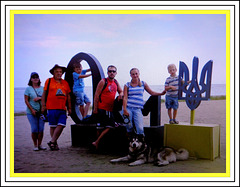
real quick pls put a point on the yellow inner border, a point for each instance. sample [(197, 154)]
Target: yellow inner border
[(13, 12)]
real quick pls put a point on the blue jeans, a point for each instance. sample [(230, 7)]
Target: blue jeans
[(37, 124), (136, 118)]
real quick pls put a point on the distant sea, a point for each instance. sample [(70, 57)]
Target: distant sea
[(20, 106)]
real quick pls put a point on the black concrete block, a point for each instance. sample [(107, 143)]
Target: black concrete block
[(83, 134), (115, 141), (154, 136)]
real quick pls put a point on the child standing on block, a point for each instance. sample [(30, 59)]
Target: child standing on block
[(171, 86), (78, 88)]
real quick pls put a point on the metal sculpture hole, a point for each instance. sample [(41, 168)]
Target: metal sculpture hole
[(97, 75)]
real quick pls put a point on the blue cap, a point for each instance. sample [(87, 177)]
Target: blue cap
[(34, 73)]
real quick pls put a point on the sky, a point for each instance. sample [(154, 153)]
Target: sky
[(148, 42)]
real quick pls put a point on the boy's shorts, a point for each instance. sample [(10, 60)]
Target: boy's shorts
[(81, 98), (171, 102), (57, 117)]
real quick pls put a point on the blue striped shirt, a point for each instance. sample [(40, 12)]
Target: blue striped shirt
[(172, 81), (135, 96)]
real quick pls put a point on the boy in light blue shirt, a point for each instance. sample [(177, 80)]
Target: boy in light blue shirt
[(78, 88)]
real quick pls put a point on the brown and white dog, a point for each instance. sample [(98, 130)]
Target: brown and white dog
[(168, 155)]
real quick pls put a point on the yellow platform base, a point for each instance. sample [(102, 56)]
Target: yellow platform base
[(201, 140)]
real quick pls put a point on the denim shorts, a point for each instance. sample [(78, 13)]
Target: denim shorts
[(81, 98), (57, 117), (37, 124), (171, 102)]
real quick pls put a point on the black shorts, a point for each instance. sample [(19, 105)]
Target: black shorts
[(106, 118)]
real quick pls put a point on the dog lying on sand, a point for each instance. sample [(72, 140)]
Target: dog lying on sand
[(168, 155), (140, 153), (137, 152)]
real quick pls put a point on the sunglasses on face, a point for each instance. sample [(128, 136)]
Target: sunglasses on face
[(35, 77), (111, 71)]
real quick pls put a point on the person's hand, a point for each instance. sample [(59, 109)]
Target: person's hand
[(43, 108), (173, 87), (33, 112), (164, 92), (120, 96), (125, 113), (95, 111), (37, 99)]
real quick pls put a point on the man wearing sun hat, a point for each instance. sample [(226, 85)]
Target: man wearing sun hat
[(55, 102)]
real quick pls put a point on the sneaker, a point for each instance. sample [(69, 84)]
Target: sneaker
[(175, 121), (35, 149), (40, 147), (171, 121)]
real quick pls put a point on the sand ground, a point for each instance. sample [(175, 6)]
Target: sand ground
[(80, 160)]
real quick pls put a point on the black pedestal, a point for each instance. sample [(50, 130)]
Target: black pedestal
[(154, 136), (83, 134), (115, 141)]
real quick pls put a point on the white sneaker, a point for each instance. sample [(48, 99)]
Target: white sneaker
[(36, 149), (40, 147)]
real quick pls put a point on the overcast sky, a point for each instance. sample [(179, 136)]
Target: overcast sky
[(148, 42)]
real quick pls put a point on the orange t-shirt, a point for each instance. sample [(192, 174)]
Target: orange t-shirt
[(57, 94)]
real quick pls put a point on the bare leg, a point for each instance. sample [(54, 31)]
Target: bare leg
[(81, 108), (57, 132), (40, 137), (86, 109), (52, 129), (170, 113), (35, 138), (174, 114), (100, 137)]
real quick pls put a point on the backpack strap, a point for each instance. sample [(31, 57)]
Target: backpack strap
[(105, 85), (47, 90)]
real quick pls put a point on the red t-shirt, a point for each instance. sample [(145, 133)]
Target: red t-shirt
[(57, 94), (108, 96)]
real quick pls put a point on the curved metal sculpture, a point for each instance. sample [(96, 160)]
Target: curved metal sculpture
[(194, 92), (97, 75)]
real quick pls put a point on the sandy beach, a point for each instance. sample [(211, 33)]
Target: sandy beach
[(80, 160)]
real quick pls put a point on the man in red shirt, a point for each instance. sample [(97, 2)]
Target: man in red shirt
[(104, 100), (55, 102)]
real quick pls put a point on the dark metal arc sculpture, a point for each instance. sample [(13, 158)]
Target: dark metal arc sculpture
[(97, 75)]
